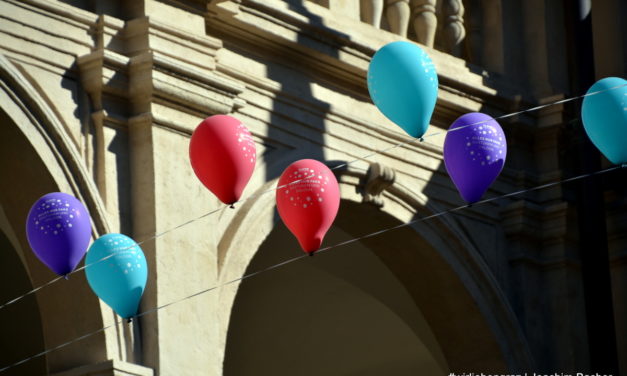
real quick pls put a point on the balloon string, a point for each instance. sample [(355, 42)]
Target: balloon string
[(321, 250), (373, 153)]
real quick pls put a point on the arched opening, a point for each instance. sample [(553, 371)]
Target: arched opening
[(20, 325), (21, 179), (390, 304), (31, 165), (333, 314)]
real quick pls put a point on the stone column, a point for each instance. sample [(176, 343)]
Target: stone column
[(424, 21), (397, 13), (454, 31), (535, 48)]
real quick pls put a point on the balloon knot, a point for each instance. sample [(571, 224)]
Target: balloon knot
[(422, 139), (311, 253), (67, 277), (232, 206), (129, 320), (469, 205)]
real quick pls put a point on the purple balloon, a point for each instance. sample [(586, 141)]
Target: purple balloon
[(474, 154), (58, 229)]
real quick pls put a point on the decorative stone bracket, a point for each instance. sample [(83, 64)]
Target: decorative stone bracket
[(378, 179)]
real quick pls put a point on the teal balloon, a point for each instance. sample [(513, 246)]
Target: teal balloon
[(604, 117), (120, 279), (403, 84)]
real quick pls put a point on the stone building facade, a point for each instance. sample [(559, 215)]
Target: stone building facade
[(99, 99)]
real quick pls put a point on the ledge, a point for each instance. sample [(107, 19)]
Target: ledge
[(110, 367), (312, 35)]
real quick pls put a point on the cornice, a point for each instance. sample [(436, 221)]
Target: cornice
[(317, 41)]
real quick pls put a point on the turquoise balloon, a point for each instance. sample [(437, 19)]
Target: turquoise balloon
[(604, 117), (120, 279), (403, 84)]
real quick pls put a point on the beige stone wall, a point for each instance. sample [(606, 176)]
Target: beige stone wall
[(112, 90)]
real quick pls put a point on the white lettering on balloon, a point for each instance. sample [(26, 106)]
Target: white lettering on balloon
[(126, 254), (486, 145), (54, 216), (305, 187), (245, 139)]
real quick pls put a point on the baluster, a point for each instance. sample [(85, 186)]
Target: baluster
[(474, 32), (397, 13), (454, 31), (371, 11), (424, 20)]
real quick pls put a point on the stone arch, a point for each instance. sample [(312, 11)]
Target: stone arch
[(464, 306), (37, 157), (18, 341)]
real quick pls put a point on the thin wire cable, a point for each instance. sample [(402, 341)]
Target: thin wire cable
[(275, 266), (31, 291), (536, 108), (120, 321), (373, 153), (60, 346), (421, 139), (481, 202), (288, 261), (155, 236), (54, 280)]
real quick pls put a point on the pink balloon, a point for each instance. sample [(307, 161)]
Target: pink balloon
[(308, 200), (223, 155)]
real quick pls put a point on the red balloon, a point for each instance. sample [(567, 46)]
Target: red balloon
[(309, 204), (223, 155)]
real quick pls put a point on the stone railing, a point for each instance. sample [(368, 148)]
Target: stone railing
[(473, 32), (421, 20)]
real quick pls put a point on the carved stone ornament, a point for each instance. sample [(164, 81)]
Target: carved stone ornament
[(379, 178)]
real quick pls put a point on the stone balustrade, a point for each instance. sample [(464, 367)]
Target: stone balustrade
[(473, 32), (434, 23)]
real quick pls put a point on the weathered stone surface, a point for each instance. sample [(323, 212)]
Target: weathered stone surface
[(99, 99)]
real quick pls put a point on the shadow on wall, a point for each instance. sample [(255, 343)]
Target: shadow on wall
[(297, 101), (503, 65), (389, 304), (105, 141), (480, 223), (296, 111), (338, 313), (20, 325), (22, 182), (115, 8)]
